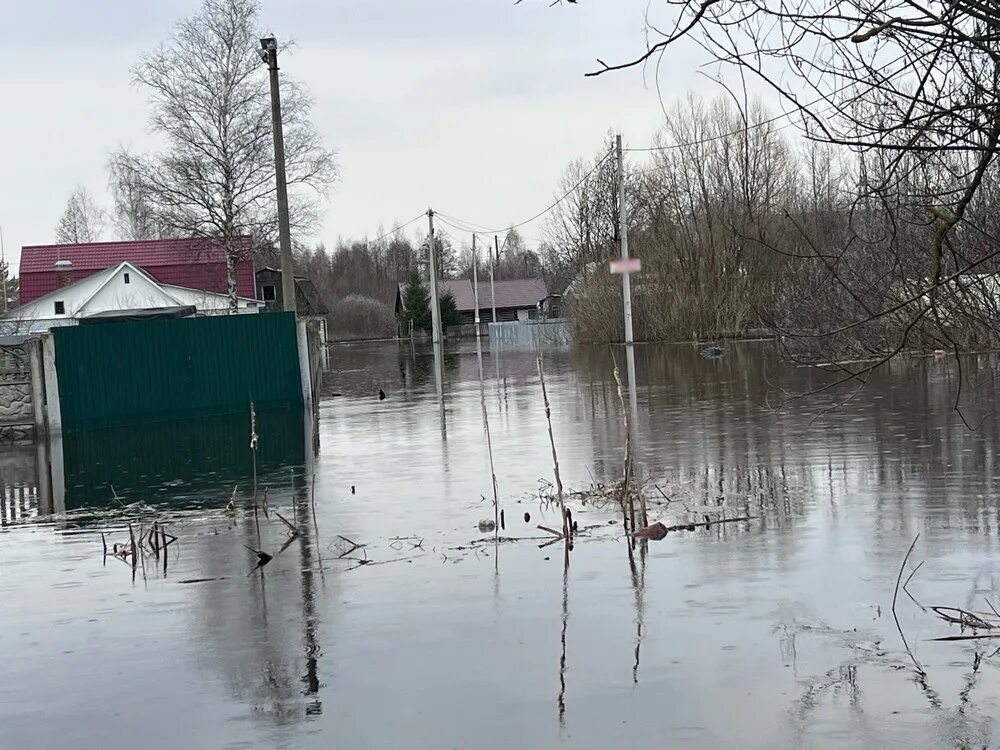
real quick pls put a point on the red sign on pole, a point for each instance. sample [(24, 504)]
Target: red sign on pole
[(626, 265)]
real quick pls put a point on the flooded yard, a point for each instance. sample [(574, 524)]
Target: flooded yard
[(392, 621)]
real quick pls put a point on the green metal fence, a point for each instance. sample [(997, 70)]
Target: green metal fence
[(140, 371)]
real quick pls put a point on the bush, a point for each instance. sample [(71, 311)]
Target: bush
[(360, 317)]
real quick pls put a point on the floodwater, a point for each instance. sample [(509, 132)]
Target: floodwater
[(775, 632)]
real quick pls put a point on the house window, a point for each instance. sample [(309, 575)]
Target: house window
[(268, 292), (60, 307), (126, 278)]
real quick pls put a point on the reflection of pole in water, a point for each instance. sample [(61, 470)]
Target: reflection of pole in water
[(632, 389), (489, 449), (639, 588), (561, 700), (633, 398), (307, 543), (439, 385)]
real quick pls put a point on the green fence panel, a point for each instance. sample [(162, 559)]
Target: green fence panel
[(139, 371)]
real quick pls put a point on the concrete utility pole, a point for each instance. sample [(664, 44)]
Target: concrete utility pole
[(623, 236), (269, 54), (496, 260), (3, 262), (475, 284), (435, 307)]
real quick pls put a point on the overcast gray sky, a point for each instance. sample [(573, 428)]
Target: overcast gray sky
[(472, 107)]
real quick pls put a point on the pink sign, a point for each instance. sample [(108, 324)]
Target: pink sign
[(626, 265)]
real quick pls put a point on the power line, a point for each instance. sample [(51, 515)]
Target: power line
[(472, 225), (769, 120), (398, 228)]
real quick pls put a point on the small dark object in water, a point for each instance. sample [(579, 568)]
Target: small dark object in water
[(713, 352), (503, 525), (262, 557), (487, 524), (353, 491), (381, 395), (336, 394), (576, 527), (527, 517)]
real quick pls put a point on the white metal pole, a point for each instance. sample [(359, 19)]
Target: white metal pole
[(475, 285), (435, 307), (623, 235)]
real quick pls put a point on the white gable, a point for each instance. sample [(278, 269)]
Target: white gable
[(124, 287)]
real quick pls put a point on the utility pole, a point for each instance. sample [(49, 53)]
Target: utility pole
[(269, 54), (493, 291), (475, 285), (435, 307), (3, 264), (623, 236)]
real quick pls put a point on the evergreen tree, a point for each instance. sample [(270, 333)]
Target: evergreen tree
[(450, 316), (416, 303)]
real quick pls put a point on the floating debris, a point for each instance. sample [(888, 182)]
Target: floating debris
[(487, 524), (713, 352)]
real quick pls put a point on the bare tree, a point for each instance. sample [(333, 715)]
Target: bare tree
[(210, 98), (135, 216), (82, 220)]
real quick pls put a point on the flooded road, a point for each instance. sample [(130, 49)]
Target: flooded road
[(391, 621)]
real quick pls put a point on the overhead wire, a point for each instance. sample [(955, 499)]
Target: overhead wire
[(472, 225), (464, 225), (769, 120), (397, 228)]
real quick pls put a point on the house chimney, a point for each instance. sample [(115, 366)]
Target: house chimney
[(64, 272)]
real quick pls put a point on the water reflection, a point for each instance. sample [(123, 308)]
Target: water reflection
[(435, 642), (193, 461)]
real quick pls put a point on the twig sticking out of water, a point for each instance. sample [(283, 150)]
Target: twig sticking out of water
[(292, 528), (628, 504), (131, 538), (253, 452), (552, 442), (489, 442), (895, 595)]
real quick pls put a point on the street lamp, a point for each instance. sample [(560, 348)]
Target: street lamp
[(269, 54)]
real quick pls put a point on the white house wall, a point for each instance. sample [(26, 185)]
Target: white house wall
[(206, 301), (72, 297), (141, 292), (107, 291)]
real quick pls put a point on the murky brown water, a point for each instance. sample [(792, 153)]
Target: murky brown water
[(770, 633)]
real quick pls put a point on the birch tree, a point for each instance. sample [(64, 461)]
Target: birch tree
[(82, 220), (210, 100)]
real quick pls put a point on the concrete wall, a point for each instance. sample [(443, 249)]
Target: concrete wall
[(22, 394)]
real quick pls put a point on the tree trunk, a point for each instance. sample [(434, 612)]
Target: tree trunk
[(231, 277)]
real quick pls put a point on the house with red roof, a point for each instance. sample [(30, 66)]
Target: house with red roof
[(192, 263), (64, 284)]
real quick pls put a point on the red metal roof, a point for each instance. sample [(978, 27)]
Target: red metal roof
[(194, 263)]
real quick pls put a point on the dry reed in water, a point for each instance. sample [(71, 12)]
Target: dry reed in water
[(628, 504), (552, 442), (489, 443)]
